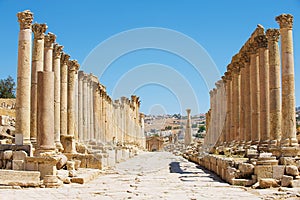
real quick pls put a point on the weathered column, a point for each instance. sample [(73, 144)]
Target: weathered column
[(88, 108), (85, 107), (23, 76), (242, 103), (288, 83), (68, 140), (45, 108), (275, 103), (48, 52), (64, 94), (56, 68), (92, 136), (255, 95), (80, 105), (73, 67), (247, 100), (37, 65), (228, 105), (262, 44), (76, 108), (236, 100)]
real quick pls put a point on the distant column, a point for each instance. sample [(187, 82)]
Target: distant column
[(228, 105), (255, 95), (80, 105), (275, 103), (288, 83), (64, 94), (37, 65), (188, 129), (23, 76), (56, 68), (236, 100)]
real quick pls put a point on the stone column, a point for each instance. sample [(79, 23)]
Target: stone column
[(48, 52), (73, 67), (64, 94), (68, 140), (255, 95), (85, 107), (37, 65), (88, 124), (92, 136), (236, 100), (242, 103), (45, 134), (275, 103), (263, 53), (76, 108), (247, 99), (80, 105), (288, 83), (23, 76), (56, 68), (228, 109)]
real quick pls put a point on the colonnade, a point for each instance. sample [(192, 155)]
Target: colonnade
[(251, 105), (57, 106)]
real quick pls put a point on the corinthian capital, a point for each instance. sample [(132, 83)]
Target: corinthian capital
[(39, 30), (64, 59), (57, 49), (262, 41), (285, 21), (73, 65), (253, 48), (273, 34), (25, 19), (49, 40)]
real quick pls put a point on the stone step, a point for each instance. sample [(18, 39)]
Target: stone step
[(20, 178)]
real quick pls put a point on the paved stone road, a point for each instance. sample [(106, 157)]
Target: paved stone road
[(146, 176)]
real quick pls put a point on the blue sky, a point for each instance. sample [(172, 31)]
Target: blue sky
[(220, 28)]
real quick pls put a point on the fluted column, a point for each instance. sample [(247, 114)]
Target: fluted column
[(92, 136), (73, 67), (56, 68), (80, 105), (88, 95), (242, 103), (263, 53), (275, 103), (228, 105), (288, 83), (247, 99), (85, 107), (255, 95), (236, 100), (37, 65), (23, 76), (76, 107), (64, 94)]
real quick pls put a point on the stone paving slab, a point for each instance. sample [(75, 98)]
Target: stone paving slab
[(152, 176)]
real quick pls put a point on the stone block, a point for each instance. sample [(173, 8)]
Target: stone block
[(47, 169), (291, 170), (242, 182), (7, 155), (286, 181), (62, 161), (246, 169), (70, 165), (19, 155), (8, 164), (295, 183), (31, 166), (263, 171), (93, 163), (287, 161), (18, 165), (230, 174), (20, 178), (18, 138), (278, 171), (268, 183)]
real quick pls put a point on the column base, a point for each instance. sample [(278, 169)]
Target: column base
[(59, 146), (290, 151), (289, 142), (263, 146)]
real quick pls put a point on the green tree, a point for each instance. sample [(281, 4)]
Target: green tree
[(201, 129), (7, 88)]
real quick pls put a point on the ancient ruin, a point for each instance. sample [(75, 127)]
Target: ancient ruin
[(64, 117), (251, 129)]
